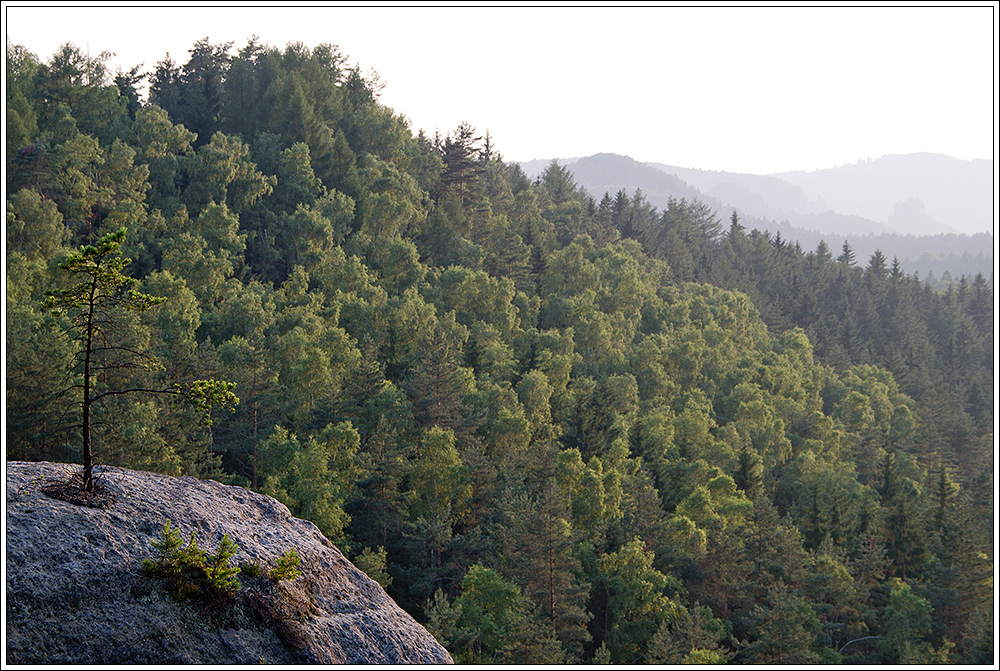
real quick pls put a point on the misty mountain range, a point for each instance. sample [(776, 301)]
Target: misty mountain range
[(932, 211)]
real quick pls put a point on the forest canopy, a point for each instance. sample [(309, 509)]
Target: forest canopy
[(555, 428)]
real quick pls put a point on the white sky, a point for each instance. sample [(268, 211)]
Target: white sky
[(742, 88)]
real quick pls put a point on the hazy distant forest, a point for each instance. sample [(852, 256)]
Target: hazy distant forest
[(555, 428)]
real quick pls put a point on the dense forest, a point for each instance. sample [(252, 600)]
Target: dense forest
[(554, 428)]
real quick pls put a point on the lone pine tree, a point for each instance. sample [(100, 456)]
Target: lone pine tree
[(95, 312)]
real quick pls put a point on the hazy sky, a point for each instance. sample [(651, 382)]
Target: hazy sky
[(742, 88)]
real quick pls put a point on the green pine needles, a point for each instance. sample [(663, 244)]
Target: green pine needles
[(288, 566), (193, 573), (220, 574), (190, 571)]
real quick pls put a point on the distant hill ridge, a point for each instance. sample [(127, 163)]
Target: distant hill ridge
[(912, 194), (929, 210), (954, 192)]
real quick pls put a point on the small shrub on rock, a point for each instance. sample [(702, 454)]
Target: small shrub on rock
[(220, 574), (252, 569), (288, 566), (169, 547), (191, 572)]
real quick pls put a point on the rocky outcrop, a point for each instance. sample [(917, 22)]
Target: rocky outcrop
[(77, 592)]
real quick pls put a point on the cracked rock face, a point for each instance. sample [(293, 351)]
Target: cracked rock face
[(77, 593)]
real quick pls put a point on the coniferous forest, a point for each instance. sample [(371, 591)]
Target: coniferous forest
[(554, 428)]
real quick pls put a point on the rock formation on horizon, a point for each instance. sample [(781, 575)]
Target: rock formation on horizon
[(77, 592)]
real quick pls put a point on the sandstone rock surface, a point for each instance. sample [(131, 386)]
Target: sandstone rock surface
[(76, 592)]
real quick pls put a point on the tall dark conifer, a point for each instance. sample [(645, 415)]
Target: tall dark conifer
[(460, 153)]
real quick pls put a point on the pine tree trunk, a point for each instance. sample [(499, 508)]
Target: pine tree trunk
[(88, 456)]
